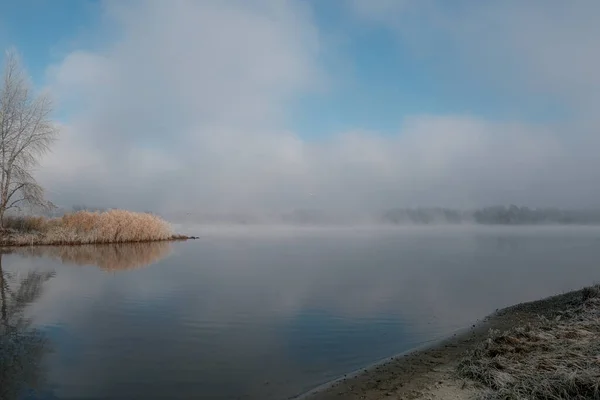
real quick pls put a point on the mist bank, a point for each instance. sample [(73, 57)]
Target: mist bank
[(496, 215)]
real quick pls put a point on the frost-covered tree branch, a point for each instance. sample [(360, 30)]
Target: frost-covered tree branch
[(26, 133)]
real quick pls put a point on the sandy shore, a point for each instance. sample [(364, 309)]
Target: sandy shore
[(437, 373)]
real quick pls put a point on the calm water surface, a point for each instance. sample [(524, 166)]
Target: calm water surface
[(261, 313)]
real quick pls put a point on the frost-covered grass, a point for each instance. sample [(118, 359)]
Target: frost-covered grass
[(554, 358)]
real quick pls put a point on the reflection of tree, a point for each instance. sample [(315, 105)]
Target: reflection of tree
[(21, 347), (109, 257)]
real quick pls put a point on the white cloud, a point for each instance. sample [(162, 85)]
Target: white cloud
[(186, 110)]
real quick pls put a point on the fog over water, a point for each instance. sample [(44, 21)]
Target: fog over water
[(271, 312)]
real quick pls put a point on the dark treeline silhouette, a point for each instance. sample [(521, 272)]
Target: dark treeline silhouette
[(422, 216), (497, 215)]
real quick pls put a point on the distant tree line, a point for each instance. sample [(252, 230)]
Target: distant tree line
[(496, 215), (426, 216)]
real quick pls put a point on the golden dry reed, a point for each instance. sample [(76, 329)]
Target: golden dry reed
[(85, 227)]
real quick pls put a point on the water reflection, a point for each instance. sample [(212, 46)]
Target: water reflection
[(268, 315), (110, 257), (21, 347)]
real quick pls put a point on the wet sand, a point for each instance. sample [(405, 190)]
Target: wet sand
[(430, 373)]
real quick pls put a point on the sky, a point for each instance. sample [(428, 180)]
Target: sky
[(273, 105)]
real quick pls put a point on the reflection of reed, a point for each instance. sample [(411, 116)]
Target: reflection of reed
[(110, 257)]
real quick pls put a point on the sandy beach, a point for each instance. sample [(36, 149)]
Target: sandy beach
[(490, 359)]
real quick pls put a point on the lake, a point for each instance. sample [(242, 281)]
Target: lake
[(262, 313)]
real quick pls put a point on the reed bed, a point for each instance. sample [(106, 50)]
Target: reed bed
[(557, 357), (85, 227)]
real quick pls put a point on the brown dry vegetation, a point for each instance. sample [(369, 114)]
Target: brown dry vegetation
[(556, 357), (84, 227), (113, 257)]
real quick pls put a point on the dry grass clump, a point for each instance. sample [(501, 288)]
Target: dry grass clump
[(116, 226), (112, 257), (557, 358), (84, 227)]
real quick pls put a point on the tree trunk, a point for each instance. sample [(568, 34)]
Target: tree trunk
[(3, 307)]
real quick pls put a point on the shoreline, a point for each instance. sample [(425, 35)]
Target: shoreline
[(20, 242), (357, 373), (430, 371)]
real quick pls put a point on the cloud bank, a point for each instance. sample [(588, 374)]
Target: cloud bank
[(185, 107)]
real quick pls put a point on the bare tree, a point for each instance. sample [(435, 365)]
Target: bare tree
[(26, 133)]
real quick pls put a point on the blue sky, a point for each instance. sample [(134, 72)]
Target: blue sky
[(43, 31), (383, 80), (261, 104), (375, 79)]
